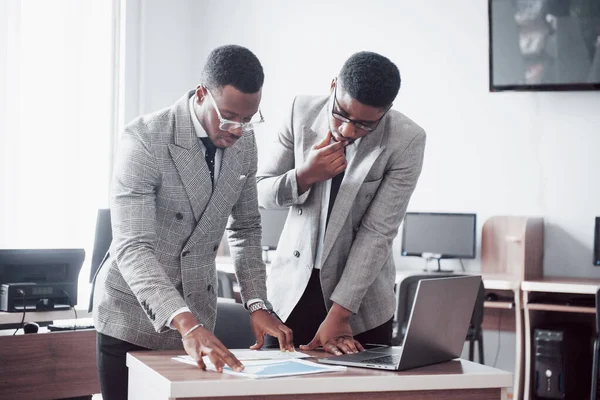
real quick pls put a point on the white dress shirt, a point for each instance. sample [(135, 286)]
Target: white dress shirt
[(350, 153)]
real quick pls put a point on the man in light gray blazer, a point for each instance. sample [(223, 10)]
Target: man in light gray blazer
[(183, 175), (346, 165)]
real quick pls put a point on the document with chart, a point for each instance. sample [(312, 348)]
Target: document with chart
[(270, 368)]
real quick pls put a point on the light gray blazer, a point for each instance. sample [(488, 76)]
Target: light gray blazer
[(357, 270), (167, 225)]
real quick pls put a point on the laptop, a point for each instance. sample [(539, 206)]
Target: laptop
[(436, 330)]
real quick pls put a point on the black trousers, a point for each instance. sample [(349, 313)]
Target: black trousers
[(112, 368), (310, 311)]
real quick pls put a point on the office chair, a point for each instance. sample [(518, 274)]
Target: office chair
[(594, 389), (233, 325), (225, 285), (405, 295), (102, 240)]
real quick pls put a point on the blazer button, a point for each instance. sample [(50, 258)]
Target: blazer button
[(296, 253), (209, 288), (179, 216), (369, 196), (185, 253), (299, 211), (216, 247)]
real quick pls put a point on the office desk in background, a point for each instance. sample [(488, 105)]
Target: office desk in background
[(549, 301), (48, 365), (155, 376)]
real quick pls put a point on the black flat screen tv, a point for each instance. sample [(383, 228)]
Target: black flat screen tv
[(544, 45)]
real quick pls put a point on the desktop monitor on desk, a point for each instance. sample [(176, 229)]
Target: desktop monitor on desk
[(439, 235), (39, 279)]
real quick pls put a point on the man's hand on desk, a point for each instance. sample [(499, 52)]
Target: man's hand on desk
[(264, 322), (199, 342), (335, 334)]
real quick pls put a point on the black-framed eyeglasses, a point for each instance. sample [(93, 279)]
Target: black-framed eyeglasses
[(370, 127), (228, 125)]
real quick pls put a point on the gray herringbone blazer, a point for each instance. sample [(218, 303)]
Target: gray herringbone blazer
[(167, 225), (357, 270)]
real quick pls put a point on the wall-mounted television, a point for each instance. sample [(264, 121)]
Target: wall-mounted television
[(544, 45)]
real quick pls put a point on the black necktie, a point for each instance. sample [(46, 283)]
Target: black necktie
[(209, 156), (336, 181)]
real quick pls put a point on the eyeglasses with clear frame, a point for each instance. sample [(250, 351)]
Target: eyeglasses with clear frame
[(228, 125), (359, 125)]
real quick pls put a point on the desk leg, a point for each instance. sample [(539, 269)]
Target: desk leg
[(518, 378), (528, 333)]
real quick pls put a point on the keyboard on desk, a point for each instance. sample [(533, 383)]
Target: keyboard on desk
[(71, 325)]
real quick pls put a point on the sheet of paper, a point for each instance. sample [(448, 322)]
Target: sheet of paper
[(262, 369), (247, 354)]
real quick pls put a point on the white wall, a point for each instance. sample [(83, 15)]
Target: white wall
[(489, 153)]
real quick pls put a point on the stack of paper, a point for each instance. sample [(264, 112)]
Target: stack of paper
[(260, 364)]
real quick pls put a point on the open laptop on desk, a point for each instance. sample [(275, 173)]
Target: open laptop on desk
[(436, 330)]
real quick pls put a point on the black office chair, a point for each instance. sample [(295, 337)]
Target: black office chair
[(102, 240), (405, 295), (225, 285), (594, 389), (233, 325)]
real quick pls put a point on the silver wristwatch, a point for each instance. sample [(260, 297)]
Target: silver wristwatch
[(259, 305)]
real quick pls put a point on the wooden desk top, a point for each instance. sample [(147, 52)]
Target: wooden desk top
[(43, 316), (562, 285), (175, 379)]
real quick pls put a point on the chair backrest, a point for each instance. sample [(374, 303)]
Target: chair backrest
[(102, 240), (233, 325), (405, 296), (225, 285), (598, 311)]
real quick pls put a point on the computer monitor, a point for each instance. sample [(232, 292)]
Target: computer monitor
[(272, 226), (439, 235), (597, 242), (102, 240), (42, 266)]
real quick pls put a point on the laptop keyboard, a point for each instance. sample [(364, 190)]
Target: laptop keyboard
[(383, 360)]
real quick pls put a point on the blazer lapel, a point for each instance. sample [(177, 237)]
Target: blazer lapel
[(189, 158), (221, 200), (369, 149)]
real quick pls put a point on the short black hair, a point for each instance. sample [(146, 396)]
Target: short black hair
[(370, 78), (233, 65)]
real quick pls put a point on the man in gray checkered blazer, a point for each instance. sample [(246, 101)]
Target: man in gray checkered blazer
[(184, 175), (346, 165)]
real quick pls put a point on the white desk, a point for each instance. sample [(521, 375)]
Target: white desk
[(154, 376)]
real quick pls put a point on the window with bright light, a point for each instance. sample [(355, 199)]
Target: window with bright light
[(56, 123)]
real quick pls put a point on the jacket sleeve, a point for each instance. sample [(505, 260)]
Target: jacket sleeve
[(373, 242), (277, 181)]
